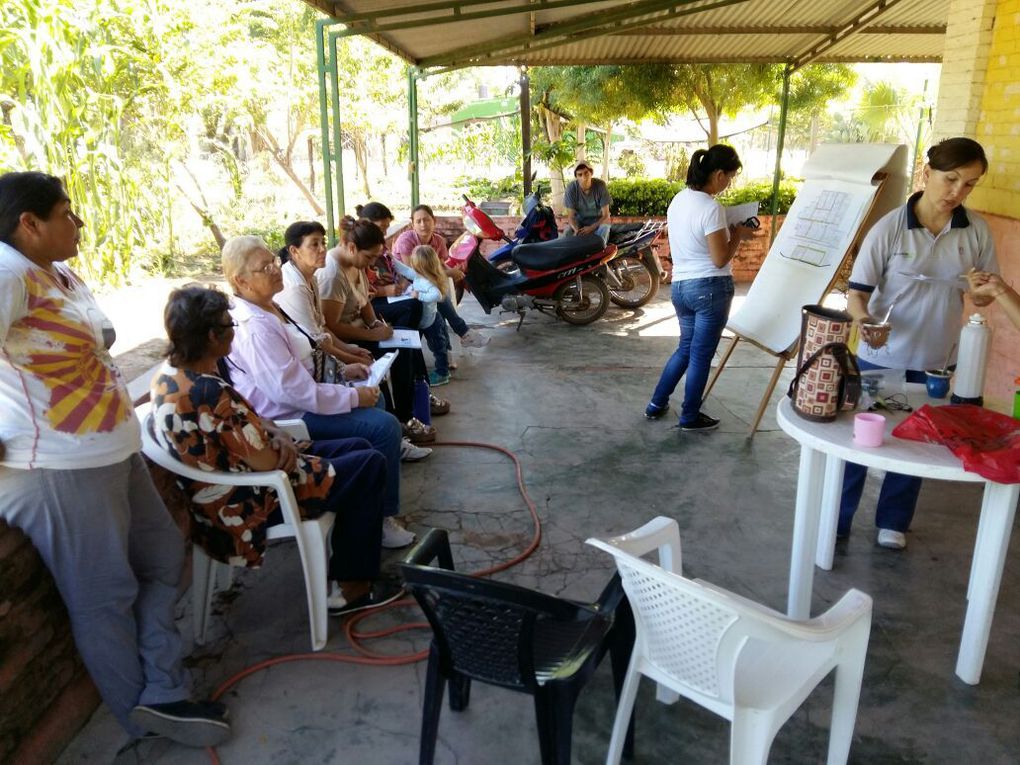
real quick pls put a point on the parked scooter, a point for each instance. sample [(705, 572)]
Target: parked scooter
[(632, 278), (557, 275)]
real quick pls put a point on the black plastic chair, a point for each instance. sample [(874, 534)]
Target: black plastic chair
[(516, 638)]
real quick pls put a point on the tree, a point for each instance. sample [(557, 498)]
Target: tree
[(89, 93), (601, 96), (712, 91)]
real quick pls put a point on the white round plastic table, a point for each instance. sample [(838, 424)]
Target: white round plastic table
[(824, 450)]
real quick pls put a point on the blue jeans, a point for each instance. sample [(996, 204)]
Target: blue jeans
[(449, 312), (897, 499), (439, 343), (702, 306), (375, 425), (602, 232)]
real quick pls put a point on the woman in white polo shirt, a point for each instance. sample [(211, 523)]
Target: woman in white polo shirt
[(932, 235), (702, 247)]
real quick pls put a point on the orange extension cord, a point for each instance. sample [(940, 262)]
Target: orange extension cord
[(356, 637)]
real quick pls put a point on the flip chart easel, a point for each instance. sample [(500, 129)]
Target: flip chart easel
[(847, 187)]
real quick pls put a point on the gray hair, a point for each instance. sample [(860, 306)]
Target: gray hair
[(236, 253)]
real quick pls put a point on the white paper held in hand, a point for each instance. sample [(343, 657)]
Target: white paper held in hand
[(402, 338), (377, 371)]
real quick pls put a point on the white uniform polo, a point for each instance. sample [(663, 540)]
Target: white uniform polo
[(926, 318)]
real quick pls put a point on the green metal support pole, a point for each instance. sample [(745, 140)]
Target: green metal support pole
[(780, 139), (412, 131), (327, 167), (338, 146), (526, 130)]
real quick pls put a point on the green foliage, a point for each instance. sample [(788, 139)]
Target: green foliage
[(760, 191), (88, 95), (510, 187), (642, 196), (651, 196), (632, 164), (677, 162)]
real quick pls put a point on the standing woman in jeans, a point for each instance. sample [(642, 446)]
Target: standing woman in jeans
[(702, 247)]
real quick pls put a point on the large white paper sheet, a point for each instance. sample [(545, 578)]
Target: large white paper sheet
[(840, 183)]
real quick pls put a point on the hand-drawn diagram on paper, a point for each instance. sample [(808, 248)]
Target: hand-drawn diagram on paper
[(825, 219)]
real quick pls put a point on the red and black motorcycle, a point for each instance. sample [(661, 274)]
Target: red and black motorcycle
[(556, 275)]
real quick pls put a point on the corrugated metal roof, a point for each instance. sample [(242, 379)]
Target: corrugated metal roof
[(440, 33)]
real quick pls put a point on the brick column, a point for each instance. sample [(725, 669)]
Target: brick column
[(964, 65)]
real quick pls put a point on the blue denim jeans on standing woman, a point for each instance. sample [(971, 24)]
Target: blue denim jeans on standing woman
[(702, 306), (897, 498)]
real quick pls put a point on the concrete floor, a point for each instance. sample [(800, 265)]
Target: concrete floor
[(568, 401)]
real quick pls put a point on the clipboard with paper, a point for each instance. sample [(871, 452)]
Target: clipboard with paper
[(377, 372)]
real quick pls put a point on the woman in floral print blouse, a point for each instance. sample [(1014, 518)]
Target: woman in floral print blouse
[(204, 422)]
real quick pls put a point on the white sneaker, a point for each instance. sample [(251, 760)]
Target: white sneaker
[(473, 339), (394, 535), (411, 452), (892, 540)]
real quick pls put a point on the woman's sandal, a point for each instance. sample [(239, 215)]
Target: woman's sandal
[(417, 432), (438, 406)]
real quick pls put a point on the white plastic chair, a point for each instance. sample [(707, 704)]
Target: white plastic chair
[(312, 536), (747, 663)]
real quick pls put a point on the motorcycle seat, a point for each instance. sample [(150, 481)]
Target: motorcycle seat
[(543, 256)]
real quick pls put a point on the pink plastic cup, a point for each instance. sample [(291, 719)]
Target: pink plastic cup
[(869, 429)]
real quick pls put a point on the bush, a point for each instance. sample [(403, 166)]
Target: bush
[(510, 187), (760, 191), (642, 197)]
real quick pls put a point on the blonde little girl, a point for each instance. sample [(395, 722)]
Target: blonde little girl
[(429, 285)]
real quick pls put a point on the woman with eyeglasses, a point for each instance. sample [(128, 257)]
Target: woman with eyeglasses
[(271, 365), (702, 246), (204, 422)]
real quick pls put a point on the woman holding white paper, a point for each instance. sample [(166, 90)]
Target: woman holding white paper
[(349, 315), (270, 364), (702, 246)]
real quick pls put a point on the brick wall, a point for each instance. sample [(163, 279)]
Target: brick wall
[(45, 693), (745, 266), (964, 64)]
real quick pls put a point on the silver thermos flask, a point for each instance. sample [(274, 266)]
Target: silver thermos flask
[(969, 379)]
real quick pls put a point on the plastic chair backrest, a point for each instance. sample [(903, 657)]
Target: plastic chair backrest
[(484, 629)]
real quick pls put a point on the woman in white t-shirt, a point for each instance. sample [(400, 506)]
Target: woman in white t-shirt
[(702, 247)]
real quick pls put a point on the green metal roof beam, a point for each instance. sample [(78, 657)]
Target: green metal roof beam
[(561, 29), (863, 19), (371, 26), (685, 31), (558, 41)]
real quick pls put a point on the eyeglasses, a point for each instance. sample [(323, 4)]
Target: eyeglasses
[(895, 402), (268, 268), (222, 329)]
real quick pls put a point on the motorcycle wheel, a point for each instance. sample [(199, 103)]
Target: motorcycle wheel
[(639, 282), (584, 306)]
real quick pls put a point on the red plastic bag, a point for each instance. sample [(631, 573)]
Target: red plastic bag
[(988, 443)]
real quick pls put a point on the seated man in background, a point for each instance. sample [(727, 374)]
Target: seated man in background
[(587, 201)]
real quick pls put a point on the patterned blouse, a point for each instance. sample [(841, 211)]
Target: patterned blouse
[(202, 421)]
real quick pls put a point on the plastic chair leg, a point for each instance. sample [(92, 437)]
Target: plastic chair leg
[(431, 708), (845, 697), (620, 650), (751, 734), (202, 587), (314, 566), (460, 692), (624, 713), (545, 715)]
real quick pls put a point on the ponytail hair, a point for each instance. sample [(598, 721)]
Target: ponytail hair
[(373, 211), (363, 233), (704, 162), (295, 235)]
